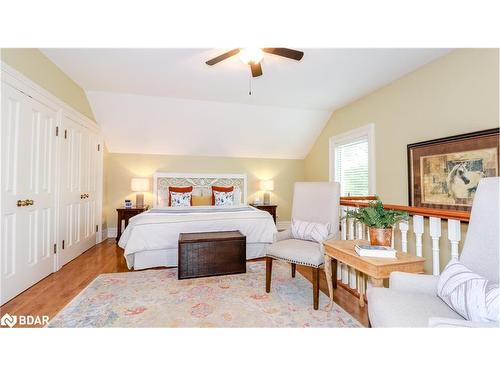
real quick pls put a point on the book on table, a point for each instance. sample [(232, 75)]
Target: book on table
[(375, 251)]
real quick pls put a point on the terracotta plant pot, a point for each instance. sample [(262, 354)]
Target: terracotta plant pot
[(380, 236)]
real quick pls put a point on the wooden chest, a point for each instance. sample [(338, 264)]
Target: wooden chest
[(211, 254)]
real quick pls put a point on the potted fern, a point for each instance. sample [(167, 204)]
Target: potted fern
[(379, 221)]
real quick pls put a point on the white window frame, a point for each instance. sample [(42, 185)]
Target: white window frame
[(367, 131)]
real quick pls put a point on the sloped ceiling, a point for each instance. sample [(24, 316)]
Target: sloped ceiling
[(168, 101)]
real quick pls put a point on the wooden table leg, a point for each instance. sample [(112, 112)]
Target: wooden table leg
[(361, 285), (329, 280), (119, 228), (334, 269)]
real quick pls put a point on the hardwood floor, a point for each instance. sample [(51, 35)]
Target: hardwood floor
[(54, 292)]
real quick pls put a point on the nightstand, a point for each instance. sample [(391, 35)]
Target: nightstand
[(271, 208), (125, 214)]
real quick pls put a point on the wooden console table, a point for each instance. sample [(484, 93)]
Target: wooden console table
[(377, 269)]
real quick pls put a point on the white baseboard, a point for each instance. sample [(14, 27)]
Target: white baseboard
[(104, 234), (111, 233)]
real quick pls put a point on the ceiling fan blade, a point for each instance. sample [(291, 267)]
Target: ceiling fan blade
[(256, 69), (224, 56), (285, 52)]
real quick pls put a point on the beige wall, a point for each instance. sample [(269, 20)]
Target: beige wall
[(37, 67), (120, 168), (455, 94)]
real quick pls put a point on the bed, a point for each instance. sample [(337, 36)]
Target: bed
[(151, 238)]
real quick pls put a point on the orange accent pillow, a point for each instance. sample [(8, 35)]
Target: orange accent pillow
[(198, 200), (175, 189), (224, 189)]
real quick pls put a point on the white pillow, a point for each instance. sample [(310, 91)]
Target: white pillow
[(303, 230), (237, 196), (206, 192), (223, 198), (469, 294), (180, 199)]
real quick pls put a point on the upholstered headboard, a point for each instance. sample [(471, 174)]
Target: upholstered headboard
[(201, 183)]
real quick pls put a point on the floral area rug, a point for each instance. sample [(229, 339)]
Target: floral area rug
[(155, 298)]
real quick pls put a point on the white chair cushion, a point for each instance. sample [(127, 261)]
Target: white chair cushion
[(304, 230), (394, 308), (470, 295), (306, 253)]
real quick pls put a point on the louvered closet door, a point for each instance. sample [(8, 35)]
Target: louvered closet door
[(77, 204), (28, 233)]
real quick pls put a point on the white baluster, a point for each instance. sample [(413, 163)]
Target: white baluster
[(345, 274), (359, 230), (454, 236), (418, 229), (343, 224), (392, 237), (352, 278), (403, 227), (339, 271), (350, 225), (435, 232)]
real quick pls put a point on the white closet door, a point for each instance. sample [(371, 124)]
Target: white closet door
[(28, 233), (92, 188), (77, 207)]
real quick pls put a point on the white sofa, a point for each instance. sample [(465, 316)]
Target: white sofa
[(411, 300)]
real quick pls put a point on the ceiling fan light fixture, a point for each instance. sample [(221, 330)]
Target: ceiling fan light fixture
[(251, 55)]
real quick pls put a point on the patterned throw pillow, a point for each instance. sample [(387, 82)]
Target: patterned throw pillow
[(225, 189), (223, 198), (180, 199), (303, 230), (469, 294)]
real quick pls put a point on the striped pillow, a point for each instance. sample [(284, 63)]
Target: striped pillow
[(303, 230), (469, 294)]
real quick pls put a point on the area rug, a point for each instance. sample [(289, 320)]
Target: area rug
[(155, 298)]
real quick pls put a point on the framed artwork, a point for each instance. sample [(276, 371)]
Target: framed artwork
[(444, 173)]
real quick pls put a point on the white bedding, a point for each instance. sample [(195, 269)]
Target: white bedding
[(158, 229)]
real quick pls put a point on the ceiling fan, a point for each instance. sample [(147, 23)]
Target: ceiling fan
[(253, 56)]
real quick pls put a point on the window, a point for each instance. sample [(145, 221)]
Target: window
[(351, 161)]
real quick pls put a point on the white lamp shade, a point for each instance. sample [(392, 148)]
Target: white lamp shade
[(139, 184), (267, 185)]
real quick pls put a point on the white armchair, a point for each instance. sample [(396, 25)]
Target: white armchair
[(412, 301), (312, 202)]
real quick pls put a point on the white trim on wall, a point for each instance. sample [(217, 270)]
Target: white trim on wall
[(7, 71), (111, 232), (350, 136)]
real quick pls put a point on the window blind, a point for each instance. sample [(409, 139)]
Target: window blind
[(351, 167)]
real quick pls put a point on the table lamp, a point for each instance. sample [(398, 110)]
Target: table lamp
[(139, 185), (267, 186)]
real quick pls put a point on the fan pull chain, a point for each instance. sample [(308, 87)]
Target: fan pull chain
[(249, 85)]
